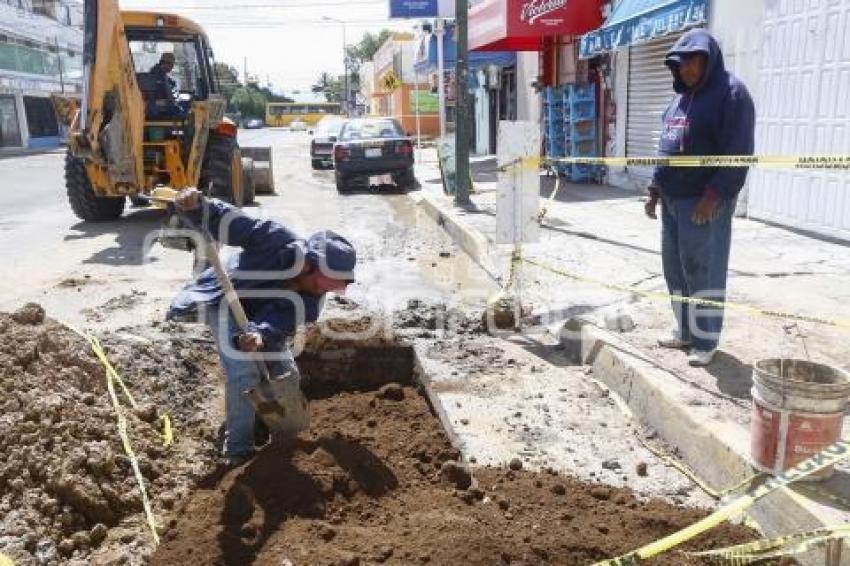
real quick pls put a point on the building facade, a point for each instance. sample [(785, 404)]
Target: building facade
[(795, 59), (397, 87), (41, 46)]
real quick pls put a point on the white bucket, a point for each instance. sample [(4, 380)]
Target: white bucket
[(798, 410)]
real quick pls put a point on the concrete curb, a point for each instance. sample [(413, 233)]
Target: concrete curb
[(470, 240), (11, 153), (715, 448)]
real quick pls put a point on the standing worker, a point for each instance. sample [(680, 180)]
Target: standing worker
[(712, 114), (281, 280)]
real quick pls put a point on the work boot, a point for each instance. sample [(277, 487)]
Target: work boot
[(701, 358), (674, 341), (261, 433)]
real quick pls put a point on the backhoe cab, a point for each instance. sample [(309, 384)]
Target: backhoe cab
[(151, 115)]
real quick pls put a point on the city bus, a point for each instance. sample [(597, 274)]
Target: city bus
[(284, 113)]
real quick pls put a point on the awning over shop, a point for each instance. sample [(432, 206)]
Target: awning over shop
[(521, 25), (426, 54), (637, 21)]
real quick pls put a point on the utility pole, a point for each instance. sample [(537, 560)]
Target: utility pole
[(461, 109), (345, 66), (441, 75)]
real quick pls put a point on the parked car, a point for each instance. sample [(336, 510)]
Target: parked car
[(298, 125), (324, 138), (253, 123), (369, 147)]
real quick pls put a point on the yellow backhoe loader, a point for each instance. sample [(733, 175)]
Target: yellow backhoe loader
[(151, 115)]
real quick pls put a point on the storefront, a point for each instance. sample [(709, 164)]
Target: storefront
[(492, 82), (549, 29), (629, 49)]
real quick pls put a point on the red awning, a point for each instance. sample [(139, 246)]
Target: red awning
[(521, 25)]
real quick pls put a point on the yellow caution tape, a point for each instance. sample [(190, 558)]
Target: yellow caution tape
[(827, 457), (112, 378), (768, 161), (778, 547), (167, 431), (747, 309), (122, 432)]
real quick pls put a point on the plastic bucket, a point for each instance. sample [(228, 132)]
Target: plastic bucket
[(798, 410)]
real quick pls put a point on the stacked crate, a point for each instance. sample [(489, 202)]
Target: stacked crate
[(580, 128), (554, 125)]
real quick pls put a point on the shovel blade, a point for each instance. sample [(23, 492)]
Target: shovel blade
[(281, 404)]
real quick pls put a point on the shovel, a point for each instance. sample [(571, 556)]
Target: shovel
[(278, 400)]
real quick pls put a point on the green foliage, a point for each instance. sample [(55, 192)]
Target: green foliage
[(249, 100), (332, 87), (362, 51)]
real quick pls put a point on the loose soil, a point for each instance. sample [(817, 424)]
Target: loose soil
[(67, 494), (377, 481)]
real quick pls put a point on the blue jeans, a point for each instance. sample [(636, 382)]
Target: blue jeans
[(696, 262), (241, 375)]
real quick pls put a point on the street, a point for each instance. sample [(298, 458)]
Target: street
[(97, 275)]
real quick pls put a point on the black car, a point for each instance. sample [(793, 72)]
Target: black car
[(371, 147), (324, 138)]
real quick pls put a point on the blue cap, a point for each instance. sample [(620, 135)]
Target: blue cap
[(334, 255)]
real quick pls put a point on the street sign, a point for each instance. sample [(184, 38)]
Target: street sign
[(424, 102), (413, 9)]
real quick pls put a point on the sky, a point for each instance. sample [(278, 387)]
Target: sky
[(285, 41)]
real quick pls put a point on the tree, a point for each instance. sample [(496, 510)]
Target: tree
[(332, 87), (228, 79), (362, 51), (249, 101)]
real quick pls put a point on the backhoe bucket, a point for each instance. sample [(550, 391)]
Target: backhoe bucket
[(281, 404), (263, 168)]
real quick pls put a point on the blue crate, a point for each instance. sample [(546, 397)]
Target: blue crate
[(578, 93), (581, 173)]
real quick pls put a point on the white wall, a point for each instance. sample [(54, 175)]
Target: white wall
[(620, 78), (737, 26)]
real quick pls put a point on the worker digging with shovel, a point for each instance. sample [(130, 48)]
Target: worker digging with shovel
[(273, 286)]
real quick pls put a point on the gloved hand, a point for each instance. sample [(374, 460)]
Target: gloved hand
[(250, 342)]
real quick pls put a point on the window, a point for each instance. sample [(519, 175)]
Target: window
[(187, 71), (41, 118), (10, 132), (365, 129)]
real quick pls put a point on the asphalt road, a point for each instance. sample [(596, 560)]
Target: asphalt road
[(99, 275)]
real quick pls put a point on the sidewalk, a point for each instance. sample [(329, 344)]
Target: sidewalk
[(602, 234), (8, 153)]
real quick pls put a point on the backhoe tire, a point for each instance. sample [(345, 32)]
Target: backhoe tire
[(221, 175), (84, 202)]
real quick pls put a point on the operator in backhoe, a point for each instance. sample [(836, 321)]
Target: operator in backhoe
[(164, 101), (281, 280)]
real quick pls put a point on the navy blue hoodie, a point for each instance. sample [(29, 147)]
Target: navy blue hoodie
[(717, 117)]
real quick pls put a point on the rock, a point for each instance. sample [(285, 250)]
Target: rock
[(559, 489), (612, 465), (642, 469), (473, 494), (326, 533), (323, 458), (146, 412), (456, 474), (515, 464), (618, 318), (445, 254), (66, 547), (384, 553), (30, 313), (504, 504), (601, 493), (98, 534), (391, 392)]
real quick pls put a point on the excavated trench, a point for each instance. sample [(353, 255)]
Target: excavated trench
[(376, 480)]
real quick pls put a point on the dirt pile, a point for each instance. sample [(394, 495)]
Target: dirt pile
[(377, 481), (67, 493)]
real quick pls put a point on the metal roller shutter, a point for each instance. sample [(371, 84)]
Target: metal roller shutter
[(650, 91)]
